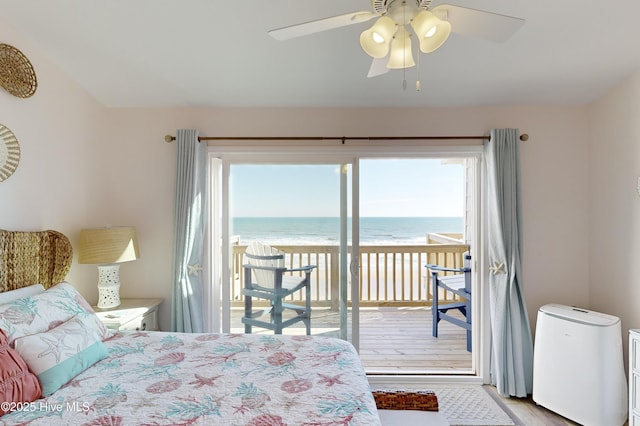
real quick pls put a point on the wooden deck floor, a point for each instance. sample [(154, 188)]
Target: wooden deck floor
[(393, 340)]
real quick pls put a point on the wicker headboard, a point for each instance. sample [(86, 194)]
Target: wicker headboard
[(42, 257)]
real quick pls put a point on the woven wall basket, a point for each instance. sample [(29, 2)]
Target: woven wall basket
[(9, 153), (16, 72)]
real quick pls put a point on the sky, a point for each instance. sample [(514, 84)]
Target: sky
[(388, 188)]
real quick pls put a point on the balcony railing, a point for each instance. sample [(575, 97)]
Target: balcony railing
[(390, 275)]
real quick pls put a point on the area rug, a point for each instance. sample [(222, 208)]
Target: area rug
[(465, 405)]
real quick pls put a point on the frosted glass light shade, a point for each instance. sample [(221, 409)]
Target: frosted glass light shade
[(401, 55), (432, 32), (375, 41), (108, 245)]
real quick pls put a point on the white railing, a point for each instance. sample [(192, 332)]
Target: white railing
[(389, 274)]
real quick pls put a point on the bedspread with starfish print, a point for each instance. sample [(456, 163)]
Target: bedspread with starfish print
[(158, 378)]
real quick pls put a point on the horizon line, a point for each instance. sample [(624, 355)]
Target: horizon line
[(338, 217)]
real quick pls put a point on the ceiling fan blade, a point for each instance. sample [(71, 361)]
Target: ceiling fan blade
[(478, 23), (298, 30), (378, 67)]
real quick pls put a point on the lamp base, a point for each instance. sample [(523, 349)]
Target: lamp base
[(108, 286)]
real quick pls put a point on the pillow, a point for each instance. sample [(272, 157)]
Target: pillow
[(58, 355), (11, 295), (44, 311), (17, 383)]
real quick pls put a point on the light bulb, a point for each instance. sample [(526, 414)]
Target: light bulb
[(431, 32), (377, 38)]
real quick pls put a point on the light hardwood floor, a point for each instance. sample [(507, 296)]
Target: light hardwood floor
[(528, 413)]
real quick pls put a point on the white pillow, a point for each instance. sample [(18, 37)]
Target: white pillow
[(46, 310), (10, 296)]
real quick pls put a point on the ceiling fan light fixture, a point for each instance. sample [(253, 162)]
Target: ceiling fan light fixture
[(432, 32), (401, 55), (376, 40)]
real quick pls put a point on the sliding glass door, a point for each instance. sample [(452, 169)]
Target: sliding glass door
[(301, 209), (369, 222)]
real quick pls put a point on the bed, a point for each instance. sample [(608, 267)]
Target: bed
[(91, 376)]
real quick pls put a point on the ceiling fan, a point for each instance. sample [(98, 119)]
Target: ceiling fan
[(388, 40)]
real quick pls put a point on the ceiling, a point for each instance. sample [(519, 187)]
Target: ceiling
[(168, 53)]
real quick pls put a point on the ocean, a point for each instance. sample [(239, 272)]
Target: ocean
[(325, 230)]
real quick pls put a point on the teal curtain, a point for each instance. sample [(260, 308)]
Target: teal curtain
[(512, 343), (189, 233)]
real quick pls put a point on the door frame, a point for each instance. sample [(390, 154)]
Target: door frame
[(336, 153)]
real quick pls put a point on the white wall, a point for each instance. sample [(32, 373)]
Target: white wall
[(59, 181), (614, 203), (84, 165)]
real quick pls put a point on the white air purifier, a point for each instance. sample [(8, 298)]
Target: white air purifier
[(578, 369)]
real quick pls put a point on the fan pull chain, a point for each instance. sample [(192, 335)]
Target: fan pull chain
[(404, 74), (404, 77), (404, 51), (418, 86)]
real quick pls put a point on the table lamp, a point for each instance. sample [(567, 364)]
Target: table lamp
[(108, 247)]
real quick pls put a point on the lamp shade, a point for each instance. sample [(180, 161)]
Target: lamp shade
[(432, 32), (375, 41), (401, 55), (108, 245)]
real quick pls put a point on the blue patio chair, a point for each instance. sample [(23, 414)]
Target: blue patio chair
[(459, 284), (266, 277)]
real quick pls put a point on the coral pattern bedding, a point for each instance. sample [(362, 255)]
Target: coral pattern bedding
[(158, 378)]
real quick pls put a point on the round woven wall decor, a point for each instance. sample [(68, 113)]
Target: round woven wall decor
[(9, 153), (16, 72)]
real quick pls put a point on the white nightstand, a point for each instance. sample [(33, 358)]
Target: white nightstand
[(132, 314)]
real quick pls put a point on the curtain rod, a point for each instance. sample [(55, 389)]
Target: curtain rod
[(168, 138)]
